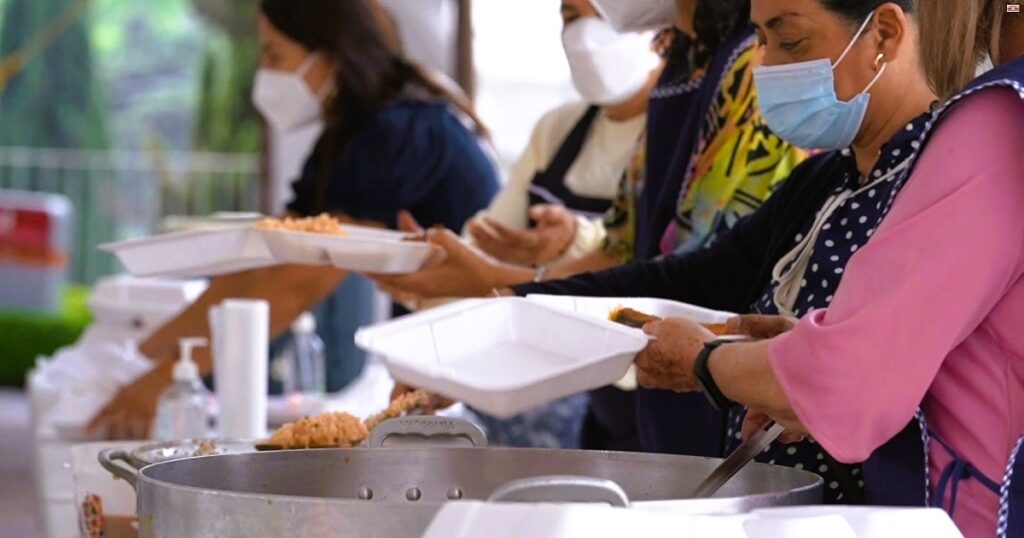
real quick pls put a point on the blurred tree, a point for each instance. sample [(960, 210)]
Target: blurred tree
[(227, 120), (53, 98)]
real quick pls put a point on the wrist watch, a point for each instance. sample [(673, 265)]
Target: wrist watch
[(702, 374)]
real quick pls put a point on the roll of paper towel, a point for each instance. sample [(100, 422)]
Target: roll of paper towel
[(240, 339)]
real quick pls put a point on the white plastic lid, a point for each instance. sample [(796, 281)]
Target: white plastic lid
[(304, 324), (186, 369)]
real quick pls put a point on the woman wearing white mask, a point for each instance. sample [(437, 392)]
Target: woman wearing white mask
[(575, 161), (578, 152), (392, 142)]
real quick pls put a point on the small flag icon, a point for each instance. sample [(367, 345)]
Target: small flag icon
[(1013, 8)]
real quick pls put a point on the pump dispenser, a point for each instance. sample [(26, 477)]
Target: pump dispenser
[(181, 412)]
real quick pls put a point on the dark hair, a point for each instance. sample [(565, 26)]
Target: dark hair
[(362, 38), (715, 21), (855, 11)]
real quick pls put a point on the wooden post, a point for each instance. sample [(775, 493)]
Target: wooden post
[(465, 72)]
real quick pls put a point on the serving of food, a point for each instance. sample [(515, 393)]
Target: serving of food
[(637, 320), (320, 224), (339, 429)]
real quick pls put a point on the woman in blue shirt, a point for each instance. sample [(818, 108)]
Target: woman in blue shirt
[(394, 140)]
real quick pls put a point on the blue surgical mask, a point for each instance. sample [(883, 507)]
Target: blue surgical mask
[(799, 102)]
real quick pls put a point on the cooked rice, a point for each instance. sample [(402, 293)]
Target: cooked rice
[(320, 224), (326, 430)]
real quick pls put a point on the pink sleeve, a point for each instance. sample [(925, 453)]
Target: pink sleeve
[(947, 252)]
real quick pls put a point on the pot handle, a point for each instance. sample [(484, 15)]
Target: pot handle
[(114, 460), (426, 431), (562, 489)]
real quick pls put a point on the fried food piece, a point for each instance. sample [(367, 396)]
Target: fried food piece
[(321, 431), (206, 448), (637, 320), (402, 404), (320, 224), (631, 318)]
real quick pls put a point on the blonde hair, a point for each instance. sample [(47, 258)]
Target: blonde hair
[(955, 37)]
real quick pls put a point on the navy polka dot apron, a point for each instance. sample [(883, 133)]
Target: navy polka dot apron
[(807, 277)]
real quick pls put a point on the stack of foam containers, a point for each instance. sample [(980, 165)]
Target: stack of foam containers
[(125, 310)]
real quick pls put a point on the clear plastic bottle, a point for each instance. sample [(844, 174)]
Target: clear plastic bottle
[(181, 412), (302, 368)]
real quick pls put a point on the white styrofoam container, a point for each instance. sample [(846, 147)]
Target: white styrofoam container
[(601, 307), (471, 519), (464, 519), (193, 254), (867, 521), (361, 249), (141, 303), (503, 356)]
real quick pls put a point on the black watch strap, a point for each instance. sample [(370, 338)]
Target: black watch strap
[(702, 374)]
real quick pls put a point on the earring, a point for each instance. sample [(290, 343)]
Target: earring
[(878, 60)]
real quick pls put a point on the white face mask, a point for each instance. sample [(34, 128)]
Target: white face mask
[(637, 15), (607, 67), (284, 98)]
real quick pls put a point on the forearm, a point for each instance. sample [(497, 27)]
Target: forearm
[(291, 290), (597, 260), (743, 373)]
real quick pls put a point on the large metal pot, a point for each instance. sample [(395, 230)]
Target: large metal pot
[(395, 492)]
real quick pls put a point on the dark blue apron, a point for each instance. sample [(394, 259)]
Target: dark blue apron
[(897, 472), (677, 109), (548, 186)]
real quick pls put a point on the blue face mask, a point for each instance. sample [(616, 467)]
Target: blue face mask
[(799, 102)]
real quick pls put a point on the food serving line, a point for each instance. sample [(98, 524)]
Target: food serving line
[(435, 476)]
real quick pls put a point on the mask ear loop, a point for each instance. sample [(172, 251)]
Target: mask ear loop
[(853, 41), (327, 87), (306, 65)]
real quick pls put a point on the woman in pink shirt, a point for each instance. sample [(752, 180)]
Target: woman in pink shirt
[(928, 319)]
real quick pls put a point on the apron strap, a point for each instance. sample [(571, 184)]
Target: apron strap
[(548, 187), (955, 472)]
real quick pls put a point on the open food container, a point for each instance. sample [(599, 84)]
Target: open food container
[(358, 248), (193, 254), (602, 307), (204, 253), (503, 356)]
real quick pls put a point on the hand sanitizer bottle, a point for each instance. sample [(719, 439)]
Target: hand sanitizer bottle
[(181, 411)]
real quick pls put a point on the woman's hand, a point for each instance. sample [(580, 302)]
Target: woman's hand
[(545, 243), (759, 326), (755, 420), (129, 415), (459, 271), (667, 362)]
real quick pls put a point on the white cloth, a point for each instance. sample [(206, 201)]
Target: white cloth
[(596, 173)]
